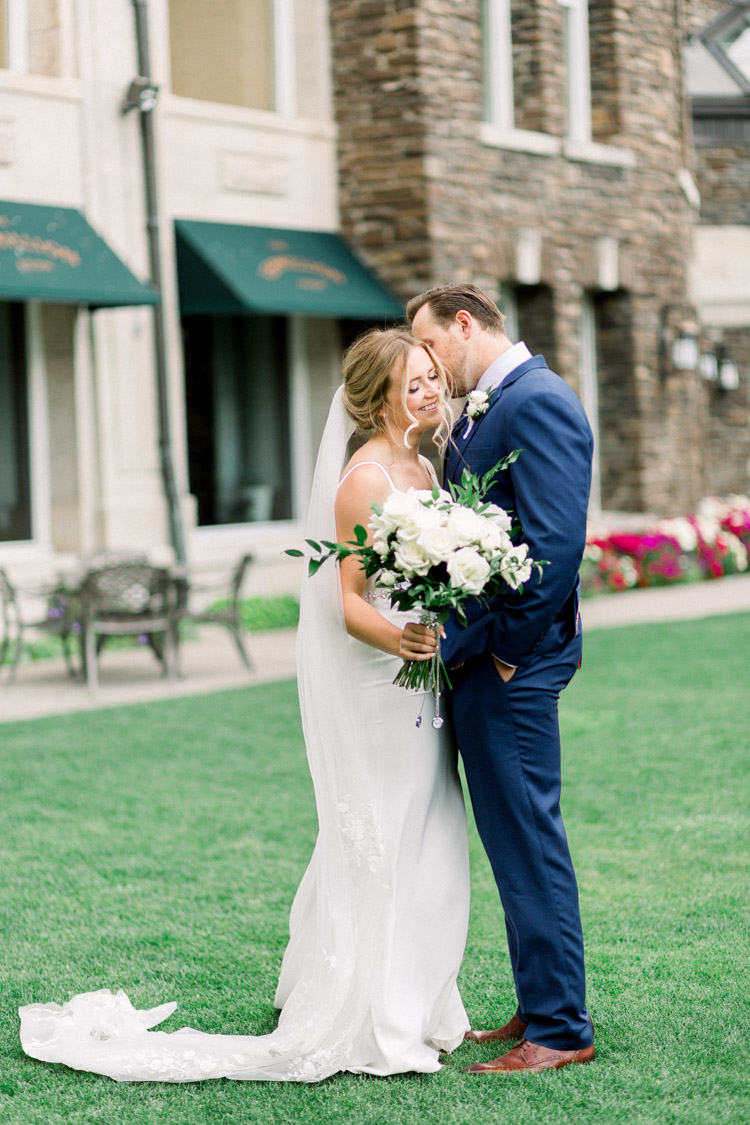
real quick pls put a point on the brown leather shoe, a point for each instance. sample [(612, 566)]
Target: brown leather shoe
[(513, 1029), (532, 1056)]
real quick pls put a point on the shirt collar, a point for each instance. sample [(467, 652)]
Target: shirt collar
[(503, 366)]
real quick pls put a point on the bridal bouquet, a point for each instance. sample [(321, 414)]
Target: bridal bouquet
[(433, 550)]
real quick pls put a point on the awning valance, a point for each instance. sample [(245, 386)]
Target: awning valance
[(52, 254), (229, 268)]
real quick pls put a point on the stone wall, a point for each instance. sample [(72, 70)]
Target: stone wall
[(429, 200)]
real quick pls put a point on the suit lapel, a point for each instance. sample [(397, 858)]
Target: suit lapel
[(457, 458)]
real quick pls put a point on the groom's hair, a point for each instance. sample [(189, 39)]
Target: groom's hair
[(446, 300)]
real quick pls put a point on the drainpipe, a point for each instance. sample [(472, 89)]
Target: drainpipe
[(142, 96)]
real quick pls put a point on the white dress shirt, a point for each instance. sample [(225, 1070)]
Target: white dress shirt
[(503, 366)]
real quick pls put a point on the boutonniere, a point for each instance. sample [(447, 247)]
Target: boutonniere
[(477, 404)]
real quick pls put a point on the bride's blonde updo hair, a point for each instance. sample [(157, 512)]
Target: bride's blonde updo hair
[(373, 364)]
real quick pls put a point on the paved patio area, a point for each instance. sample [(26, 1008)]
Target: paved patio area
[(210, 661)]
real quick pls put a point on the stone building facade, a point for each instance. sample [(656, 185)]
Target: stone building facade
[(577, 207), (542, 148)]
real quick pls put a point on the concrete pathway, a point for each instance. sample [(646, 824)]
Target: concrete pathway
[(211, 663)]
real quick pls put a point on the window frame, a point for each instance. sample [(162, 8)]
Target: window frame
[(577, 71), (15, 14), (499, 105)]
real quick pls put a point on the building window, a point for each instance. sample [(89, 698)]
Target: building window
[(537, 67), (605, 69), (577, 69), (237, 52), (15, 494), (498, 64), (14, 35), (238, 418), (30, 36)]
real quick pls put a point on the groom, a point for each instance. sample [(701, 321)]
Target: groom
[(511, 662)]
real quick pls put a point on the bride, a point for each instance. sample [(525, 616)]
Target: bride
[(378, 925)]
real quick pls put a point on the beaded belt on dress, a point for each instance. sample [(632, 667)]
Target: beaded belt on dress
[(374, 595)]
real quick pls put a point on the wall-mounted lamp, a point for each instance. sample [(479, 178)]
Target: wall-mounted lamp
[(729, 376), (709, 365), (679, 340), (141, 94), (717, 366), (685, 352)]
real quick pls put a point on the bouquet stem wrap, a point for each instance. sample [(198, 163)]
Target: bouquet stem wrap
[(426, 675)]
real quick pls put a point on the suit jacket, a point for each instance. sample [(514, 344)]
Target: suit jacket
[(547, 488)]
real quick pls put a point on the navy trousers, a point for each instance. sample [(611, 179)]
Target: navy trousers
[(509, 739)]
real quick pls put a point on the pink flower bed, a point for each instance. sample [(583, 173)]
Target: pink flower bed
[(709, 543)]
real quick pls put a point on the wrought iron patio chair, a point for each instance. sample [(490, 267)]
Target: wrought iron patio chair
[(59, 620), (128, 599), (227, 609)]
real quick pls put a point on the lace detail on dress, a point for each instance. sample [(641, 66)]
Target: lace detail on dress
[(363, 836)]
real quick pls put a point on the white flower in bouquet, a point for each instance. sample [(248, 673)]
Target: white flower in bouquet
[(467, 526), (397, 509), (427, 496), (410, 559), (498, 516), (468, 570), (515, 568), (437, 544), (495, 540), (420, 520), (388, 578)]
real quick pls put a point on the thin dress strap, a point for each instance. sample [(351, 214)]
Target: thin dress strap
[(430, 468), (350, 471)]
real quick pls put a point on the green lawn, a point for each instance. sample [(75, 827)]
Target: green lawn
[(157, 848)]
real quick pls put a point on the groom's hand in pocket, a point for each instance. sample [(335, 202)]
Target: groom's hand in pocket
[(504, 671)]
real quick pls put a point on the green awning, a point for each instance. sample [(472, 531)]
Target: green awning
[(52, 254), (226, 268)]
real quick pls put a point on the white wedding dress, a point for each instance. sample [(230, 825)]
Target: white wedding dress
[(378, 925)]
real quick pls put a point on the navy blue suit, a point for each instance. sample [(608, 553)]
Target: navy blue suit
[(508, 734)]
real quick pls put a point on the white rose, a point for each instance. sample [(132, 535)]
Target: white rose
[(380, 547), (495, 539), (420, 520), (410, 560), (397, 508), (514, 569), (437, 544), (498, 516), (468, 570), (465, 525), (387, 578)]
